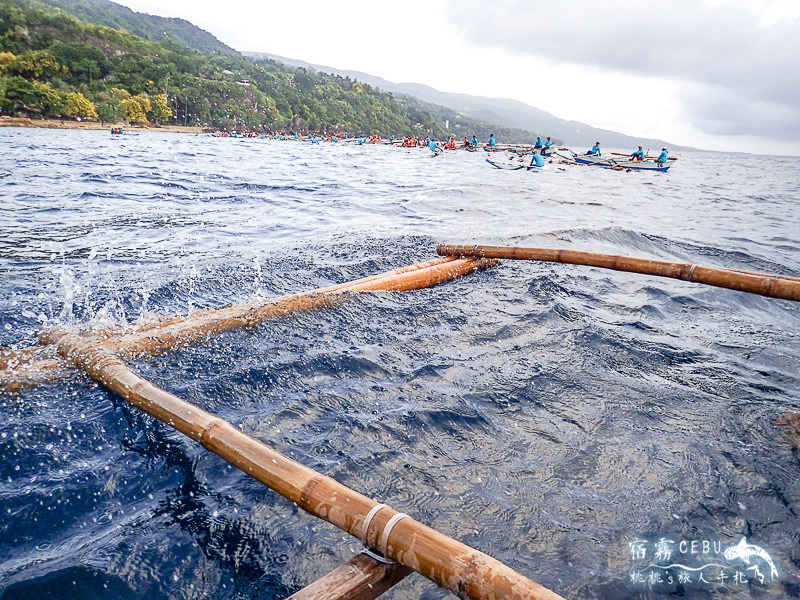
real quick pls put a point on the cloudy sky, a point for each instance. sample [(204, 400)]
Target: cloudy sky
[(716, 74)]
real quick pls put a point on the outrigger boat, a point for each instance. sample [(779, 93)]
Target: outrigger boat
[(620, 163), (121, 131)]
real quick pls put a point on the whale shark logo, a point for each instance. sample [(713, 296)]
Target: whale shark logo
[(745, 552)]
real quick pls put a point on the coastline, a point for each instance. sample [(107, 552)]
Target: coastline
[(6, 121)]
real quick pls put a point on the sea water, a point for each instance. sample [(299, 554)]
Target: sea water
[(591, 429)]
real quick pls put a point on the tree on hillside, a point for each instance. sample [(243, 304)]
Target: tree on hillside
[(85, 62), (78, 105), (6, 58), (160, 110), (32, 98), (37, 64), (136, 108), (107, 106)]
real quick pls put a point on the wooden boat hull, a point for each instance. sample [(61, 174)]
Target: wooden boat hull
[(644, 165)]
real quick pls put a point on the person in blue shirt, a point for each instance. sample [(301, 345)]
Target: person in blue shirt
[(434, 147), (473, 142), (492, 140), (662, 158), (538, 143), (537, 160), (638, 155), (595, 149), (547, 146)]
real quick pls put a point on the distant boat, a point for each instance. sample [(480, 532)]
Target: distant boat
[(620, 164), (121, 131)]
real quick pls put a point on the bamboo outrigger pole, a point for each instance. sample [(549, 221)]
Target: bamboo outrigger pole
[(33, 365), (183, 331), (773, 286), (463, 570)]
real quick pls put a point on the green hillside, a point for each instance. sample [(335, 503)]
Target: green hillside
[(149, 27), (53, 64)]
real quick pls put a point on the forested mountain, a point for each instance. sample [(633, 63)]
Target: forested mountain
[(53, 64), (149, 27)]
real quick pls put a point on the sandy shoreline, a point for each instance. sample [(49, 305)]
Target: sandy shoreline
[(68, 124)]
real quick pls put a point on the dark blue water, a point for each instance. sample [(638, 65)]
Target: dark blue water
[(556, 417)]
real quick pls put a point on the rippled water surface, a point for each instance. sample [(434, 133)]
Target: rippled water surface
[(552, 416)]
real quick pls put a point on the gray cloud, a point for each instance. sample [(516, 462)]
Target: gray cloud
[(734, 67), (716, 111)]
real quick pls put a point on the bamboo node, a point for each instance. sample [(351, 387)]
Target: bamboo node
[(205, 434), (307, 493), (768, 286), (471, 571)]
